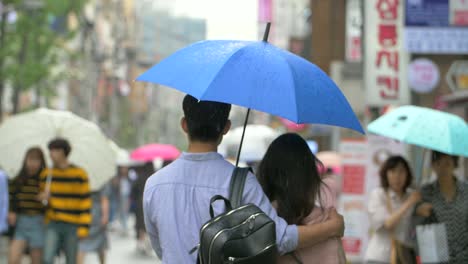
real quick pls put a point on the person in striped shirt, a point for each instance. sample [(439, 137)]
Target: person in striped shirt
[(26, 213), (66, 189)]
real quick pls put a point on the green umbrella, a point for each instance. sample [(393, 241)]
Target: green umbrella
[(424, 127)]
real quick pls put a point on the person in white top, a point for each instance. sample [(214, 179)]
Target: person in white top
[(391, 207)]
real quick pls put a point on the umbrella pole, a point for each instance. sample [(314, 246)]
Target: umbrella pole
[(420, 161), (265, 39), (242, 138)]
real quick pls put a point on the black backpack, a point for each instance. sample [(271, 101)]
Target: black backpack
[(243, 234)]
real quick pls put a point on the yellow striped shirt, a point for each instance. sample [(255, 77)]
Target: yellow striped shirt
[(23, 196), (70, 199)]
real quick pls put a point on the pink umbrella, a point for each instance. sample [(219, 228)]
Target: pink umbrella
[(151, 152)]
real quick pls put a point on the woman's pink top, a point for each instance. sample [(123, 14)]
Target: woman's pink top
[(326, 252)]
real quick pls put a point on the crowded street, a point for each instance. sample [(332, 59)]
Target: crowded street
[(222, 131)]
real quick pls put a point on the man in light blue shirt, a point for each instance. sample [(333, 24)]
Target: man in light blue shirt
[(176, 198), (3, 202)]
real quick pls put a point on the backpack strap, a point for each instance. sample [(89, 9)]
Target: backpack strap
[(236, 187)]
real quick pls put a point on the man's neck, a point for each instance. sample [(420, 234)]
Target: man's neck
[(62, 164), (202, 147)]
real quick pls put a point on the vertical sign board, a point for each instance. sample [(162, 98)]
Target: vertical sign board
[(354, 30), (352, 202), (385, 61)]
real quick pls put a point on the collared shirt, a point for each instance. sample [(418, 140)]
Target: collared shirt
[(176, 204), (379, 248), (455, 216), (3, 202)]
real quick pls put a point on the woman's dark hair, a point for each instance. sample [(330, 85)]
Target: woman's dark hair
[(60, 143), (390, 164), (288, 175), (205, 119), (23, 173), (436, 155)]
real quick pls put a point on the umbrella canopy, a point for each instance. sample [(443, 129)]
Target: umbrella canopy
[(424, 127), (256, 142), (155, 151), (90, 148), (255, 75)]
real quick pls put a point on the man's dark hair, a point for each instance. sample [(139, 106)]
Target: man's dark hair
[(437, 155), (60, 143), (205, 119)]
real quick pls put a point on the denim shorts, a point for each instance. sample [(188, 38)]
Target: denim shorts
[(30, 229)]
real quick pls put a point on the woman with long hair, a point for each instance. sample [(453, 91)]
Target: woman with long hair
[(291, 180), (26, 211)]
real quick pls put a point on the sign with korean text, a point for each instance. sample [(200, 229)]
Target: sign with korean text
[(354, 30), (385, 66), (436, 26)]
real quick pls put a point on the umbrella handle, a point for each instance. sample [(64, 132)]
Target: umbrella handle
[(47, 189), (242, 138)]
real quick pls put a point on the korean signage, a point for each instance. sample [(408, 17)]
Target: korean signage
[(352, 202), (354, 30), (385, 66), (436, 26), (423, 75)]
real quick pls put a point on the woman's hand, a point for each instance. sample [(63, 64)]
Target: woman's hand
[(424, 210), (12, 219), (415, 197)]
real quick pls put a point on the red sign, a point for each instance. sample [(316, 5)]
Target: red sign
[(353, 179), (352, 245)]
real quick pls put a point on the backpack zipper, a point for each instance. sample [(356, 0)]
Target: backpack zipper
[(248, 220), (233, 259)]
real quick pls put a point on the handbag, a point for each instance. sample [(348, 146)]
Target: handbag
[(432, 243), (400, 253)]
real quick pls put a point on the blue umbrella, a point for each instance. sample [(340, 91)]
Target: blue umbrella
[(255, 75)]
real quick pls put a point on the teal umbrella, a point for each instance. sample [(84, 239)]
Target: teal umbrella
[(424, 127)]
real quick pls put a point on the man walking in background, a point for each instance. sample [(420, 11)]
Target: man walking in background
[(66, 189)]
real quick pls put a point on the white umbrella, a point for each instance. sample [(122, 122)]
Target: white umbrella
[(256, 141), (122, 156), (90, 148)]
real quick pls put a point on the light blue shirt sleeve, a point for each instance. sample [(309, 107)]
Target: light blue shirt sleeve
[(3, 202), (287, 236), (151, 227)]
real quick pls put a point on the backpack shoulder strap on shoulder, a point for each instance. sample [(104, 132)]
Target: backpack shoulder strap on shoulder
[(236, 187)]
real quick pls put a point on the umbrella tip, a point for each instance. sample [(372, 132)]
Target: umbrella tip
[(267, 32)]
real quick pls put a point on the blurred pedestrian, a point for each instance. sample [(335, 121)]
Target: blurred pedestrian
[(66, 190), (143, 172), (446, 201), (3, 216), (125, 188), (114, 197), (26, 212), (390, 211), (290, 178), (97, 240)]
